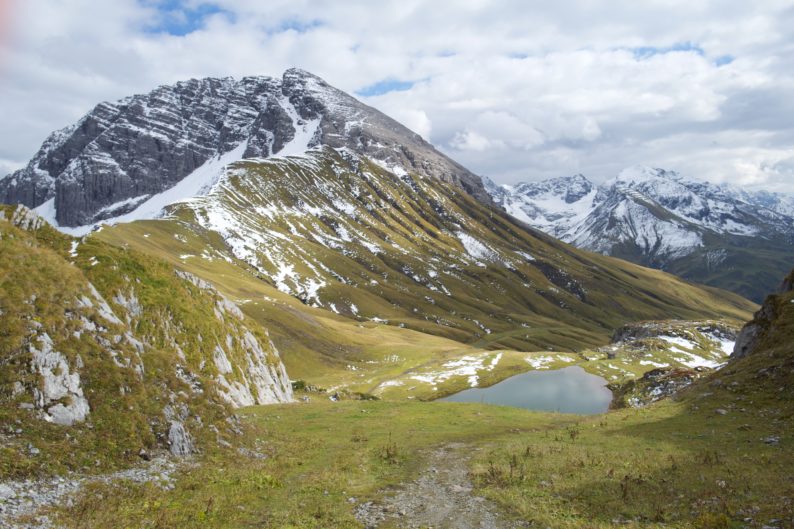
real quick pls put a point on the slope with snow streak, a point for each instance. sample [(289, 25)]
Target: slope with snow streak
[(338, 231)]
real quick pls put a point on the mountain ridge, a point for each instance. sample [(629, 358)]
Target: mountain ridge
[(718, 235)]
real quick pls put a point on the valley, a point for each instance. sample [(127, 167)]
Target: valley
[(256, 326)]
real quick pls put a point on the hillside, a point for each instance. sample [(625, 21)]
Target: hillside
[(716, 456), (345, 235), (88, 331)]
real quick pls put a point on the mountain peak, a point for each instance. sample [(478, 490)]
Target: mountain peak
[(121, 156), (644, 173)]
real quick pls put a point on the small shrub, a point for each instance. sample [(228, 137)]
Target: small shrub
[(574, 432), (389, 452)]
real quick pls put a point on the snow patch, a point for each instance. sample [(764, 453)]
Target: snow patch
[(197, 183)]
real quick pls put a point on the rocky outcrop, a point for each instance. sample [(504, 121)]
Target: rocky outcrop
[(105, 352), (756, 329), (59, 394), (716, 330), (121, 154), (258, 377), (654, 386)]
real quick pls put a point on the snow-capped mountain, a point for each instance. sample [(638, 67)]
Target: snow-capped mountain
[(553, 206), (659, 218), (122, 156)]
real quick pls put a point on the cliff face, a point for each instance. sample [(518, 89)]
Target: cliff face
[(121, 154)]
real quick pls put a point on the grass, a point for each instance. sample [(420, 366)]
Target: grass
[(679, 464), (41, 283), (671, 466), (719, 456), (317, 457)]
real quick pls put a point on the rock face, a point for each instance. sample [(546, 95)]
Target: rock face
[(703, 232), (60, 394), (764, 320), (121, 154), (260, 379)]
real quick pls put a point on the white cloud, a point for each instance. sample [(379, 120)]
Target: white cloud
[(513, 92)]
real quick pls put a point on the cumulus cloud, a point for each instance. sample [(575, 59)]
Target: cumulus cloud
[(511, 91)]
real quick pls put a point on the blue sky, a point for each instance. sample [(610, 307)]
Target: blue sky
[(512, 90), (180, 18), (384, 87)]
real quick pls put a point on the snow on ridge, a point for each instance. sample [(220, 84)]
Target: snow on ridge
[(305, 131), (475, 248)]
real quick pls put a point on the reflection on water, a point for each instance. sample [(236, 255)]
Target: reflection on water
[(567, 390)]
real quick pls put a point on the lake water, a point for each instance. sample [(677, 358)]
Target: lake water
[(567, 390)]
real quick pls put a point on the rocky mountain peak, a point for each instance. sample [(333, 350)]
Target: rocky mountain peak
[(124, 155)]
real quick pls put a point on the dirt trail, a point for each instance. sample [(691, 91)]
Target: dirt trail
[(440, 498)]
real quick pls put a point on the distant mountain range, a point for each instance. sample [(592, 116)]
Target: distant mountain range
[(719, 235)]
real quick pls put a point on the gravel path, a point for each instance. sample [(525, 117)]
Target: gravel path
[(20, 501), (440, 498)]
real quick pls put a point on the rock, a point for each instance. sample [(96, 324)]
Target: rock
[(180, 443), (720, 411), (751, 333), (6, 492), (58, 384), (773, 440)]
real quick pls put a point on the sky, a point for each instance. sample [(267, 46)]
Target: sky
[(514, 90)]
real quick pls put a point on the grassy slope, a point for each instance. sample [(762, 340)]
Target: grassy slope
[(752, 267), (673, 465), (41, 278), (700, 461), (526, 306)]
